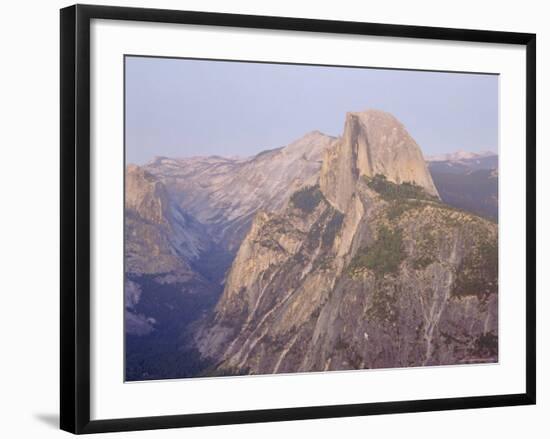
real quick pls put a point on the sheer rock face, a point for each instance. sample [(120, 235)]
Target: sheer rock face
[(145, 195), (225, 193), (345, 278), (329, 273), (297, 300), (374, 142)]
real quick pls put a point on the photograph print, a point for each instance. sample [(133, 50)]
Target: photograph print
[(289, 218)]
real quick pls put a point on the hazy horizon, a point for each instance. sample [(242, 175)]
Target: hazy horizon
[(182, 108)]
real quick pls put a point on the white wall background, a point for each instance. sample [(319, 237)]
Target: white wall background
[(29, 247)]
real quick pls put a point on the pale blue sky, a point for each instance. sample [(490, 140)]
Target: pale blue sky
[(180, 108)]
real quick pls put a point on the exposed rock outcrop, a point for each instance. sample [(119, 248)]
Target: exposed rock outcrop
[(374, 142), (368, 269), (343, 257), (374, 288), (166, 286), (160, 237)]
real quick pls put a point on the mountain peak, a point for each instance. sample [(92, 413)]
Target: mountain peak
[(373, 114), (315, 134), (374, 142), (310, 146)]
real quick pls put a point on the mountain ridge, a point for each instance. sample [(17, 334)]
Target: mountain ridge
[(342, 256), (460, 155), (469, 183), (359, 247), (224, 194)]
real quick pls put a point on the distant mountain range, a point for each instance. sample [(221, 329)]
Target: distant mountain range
[(468, 181), (330, 253), (459, 155)]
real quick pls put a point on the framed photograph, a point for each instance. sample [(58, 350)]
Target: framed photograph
[(268, 218)]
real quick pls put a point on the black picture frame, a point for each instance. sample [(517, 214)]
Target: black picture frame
[(75, 217)]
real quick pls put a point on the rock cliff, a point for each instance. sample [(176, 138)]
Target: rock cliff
[(160, 236), (374, 142), (390, 283), (341, 254), (366, 269)]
